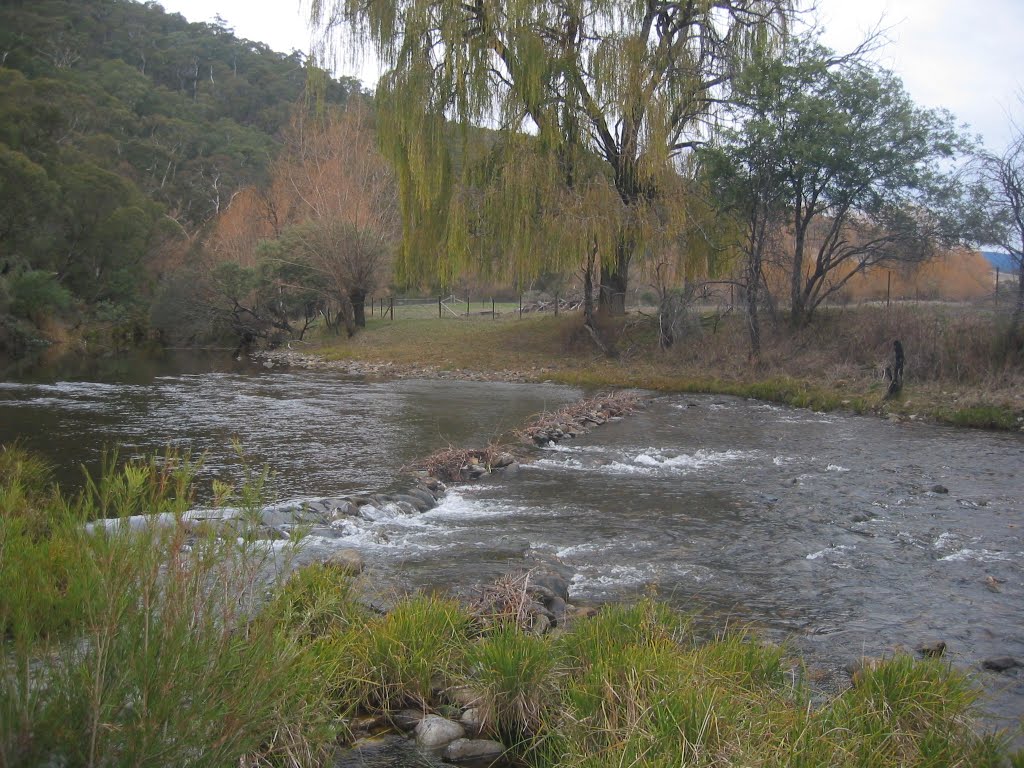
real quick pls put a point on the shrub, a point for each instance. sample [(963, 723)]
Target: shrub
[(140, 643)]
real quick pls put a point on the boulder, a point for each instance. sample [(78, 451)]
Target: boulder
[(415, 502), (464, 696), (933, 648), (503, 460), (406, 719), (466, 750), (554, 583), (348, 561), (939, 489), (425, 496), (436, 731), (472, 720), (344, 508)]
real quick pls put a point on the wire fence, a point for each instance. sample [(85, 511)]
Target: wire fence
[(454, 307)]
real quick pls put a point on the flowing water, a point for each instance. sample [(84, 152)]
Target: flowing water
[(842, 535)]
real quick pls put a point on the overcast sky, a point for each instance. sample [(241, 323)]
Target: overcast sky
[(964, 56)]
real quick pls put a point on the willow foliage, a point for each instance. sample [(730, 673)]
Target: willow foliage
[(528, 133)]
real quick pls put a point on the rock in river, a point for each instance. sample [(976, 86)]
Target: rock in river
[(436, 731)]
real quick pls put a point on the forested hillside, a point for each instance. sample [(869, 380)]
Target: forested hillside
[(124, 130)]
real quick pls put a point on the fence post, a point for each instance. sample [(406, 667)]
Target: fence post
[(438, 307), (391, 307), (467, 305), (888, 288), (556, 305), (492, 308), (520, 306)]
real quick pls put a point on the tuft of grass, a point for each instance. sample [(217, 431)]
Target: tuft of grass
[(405, 654), (517, 675), (981, 416)]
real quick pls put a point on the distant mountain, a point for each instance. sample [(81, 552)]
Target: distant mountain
[(1002, 261)]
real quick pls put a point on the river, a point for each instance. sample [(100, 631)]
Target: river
[(838, 534)]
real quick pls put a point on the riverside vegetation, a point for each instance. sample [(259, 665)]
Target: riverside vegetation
[(166, 645)]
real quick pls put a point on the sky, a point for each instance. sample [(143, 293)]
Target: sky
[(962, 56)]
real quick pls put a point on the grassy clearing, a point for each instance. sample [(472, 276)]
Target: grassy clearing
[(959, 368), (158, 645)]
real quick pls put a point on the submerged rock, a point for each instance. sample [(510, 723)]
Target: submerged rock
[(348, 561), (1001, 663)]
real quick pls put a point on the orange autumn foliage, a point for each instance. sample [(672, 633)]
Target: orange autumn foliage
[(957, 275)]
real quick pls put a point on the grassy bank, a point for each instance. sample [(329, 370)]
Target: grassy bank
[(959, 369), (163, 645)]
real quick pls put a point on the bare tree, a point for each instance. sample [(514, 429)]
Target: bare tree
[(1003, 194)]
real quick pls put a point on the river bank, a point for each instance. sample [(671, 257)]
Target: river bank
[(688, 497), (956, 372), (287, 673)]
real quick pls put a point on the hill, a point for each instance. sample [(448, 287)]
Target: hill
[(124, 130), (1002, 261)]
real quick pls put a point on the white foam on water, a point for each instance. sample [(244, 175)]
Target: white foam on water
[(829, 550), (652, 461), (455, 506), (836, 468), (580, 549), (946, 540), (781, 461), (610, 577), (979, 555)]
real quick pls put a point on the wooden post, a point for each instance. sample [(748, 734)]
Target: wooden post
[(888, 288), (556, 305), (438, 307), (520, 306), (492, 308), (467, 305), (391, 306)]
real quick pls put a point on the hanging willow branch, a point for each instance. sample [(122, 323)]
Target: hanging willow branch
[(507, 119)]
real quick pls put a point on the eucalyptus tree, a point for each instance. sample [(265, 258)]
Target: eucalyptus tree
[(565, 83), (863, 176)]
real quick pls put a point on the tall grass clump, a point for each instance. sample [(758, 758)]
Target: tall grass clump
[(905, 712), (516, 675), (136, 641), (416, 647)]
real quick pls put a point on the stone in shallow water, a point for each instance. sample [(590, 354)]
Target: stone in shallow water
[(1001, 663), (473, 750), (436, 731), (347, 560)]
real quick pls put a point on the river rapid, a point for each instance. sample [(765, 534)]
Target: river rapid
[(840, 535)]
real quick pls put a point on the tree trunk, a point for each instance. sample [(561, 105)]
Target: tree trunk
[(753, 290), (612, 299), (1018, 311), (359, 308), (796, 285)]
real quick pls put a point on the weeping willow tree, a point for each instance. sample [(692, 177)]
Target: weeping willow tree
[(527, 133)]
